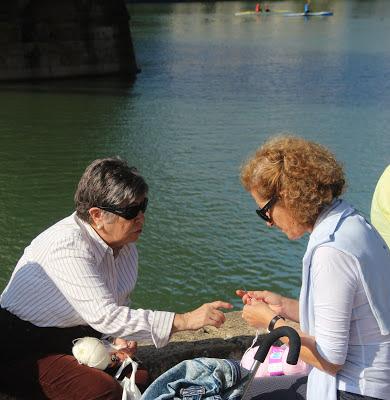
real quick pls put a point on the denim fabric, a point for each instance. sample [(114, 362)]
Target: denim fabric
[(200, 378)]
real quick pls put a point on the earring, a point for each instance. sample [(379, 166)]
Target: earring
[(99, 227)]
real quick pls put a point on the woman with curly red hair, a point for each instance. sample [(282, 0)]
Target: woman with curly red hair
[(344, 303)]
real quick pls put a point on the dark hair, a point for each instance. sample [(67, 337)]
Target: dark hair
[(108, 182)]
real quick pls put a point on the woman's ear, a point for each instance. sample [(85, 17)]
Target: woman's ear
[(96, 215)]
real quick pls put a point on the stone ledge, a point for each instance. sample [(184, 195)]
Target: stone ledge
[(230, 341)]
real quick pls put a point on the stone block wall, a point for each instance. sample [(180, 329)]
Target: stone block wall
[(42, 39), (230, 341)]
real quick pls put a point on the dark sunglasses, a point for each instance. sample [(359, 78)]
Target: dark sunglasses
[(262, 212), (129, 212)]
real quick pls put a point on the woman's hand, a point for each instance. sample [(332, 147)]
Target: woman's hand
[(273, 300), (284, 306), (257, 314), (120, 343), (125, 349), (207, 314), (260, 307)]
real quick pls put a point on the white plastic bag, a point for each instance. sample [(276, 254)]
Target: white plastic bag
[(130, 389)]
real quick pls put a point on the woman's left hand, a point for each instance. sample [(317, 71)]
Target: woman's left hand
[(126, 348), (125, 344), (257, 314)]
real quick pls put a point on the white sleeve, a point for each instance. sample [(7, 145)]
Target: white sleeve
[(334, 284)]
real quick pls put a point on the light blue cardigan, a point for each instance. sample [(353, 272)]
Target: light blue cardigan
[(341, 227)]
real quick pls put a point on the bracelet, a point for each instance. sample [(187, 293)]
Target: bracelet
[(114, 358), (273, 321)]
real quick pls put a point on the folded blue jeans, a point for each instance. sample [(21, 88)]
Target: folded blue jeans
[(200, 378)]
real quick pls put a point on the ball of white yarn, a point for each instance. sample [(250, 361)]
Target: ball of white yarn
[(92, 352)]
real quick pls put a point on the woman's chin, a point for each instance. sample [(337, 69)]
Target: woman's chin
[(135, 236), (293, 236)]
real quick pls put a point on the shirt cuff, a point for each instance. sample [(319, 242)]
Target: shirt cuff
[(161, 327)]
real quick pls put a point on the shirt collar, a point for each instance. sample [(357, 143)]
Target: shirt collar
[(95, 238), (328, 221), (327, 211)]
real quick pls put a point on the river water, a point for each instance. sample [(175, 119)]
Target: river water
[(213, 86)]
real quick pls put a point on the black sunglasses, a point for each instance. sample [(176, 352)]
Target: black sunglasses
[(262, 212), (129, 212)]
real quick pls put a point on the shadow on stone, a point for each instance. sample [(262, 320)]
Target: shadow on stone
[(157, 361)]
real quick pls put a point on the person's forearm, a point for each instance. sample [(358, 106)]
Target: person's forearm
[(179, 323), (290, 309), (309, 352)]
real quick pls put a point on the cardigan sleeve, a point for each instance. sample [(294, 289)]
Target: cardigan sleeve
[(334, 284)]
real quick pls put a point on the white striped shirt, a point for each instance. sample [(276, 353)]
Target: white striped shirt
[(68, 276)]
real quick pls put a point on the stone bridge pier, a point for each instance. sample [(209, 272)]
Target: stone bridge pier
[(41, 39)]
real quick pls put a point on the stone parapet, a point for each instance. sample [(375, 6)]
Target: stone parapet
[(230, 341)]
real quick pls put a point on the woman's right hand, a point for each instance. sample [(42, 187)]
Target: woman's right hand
[(273, 300), (208, 314)]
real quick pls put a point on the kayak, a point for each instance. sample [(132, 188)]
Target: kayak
[(310, 14), (286, 13), (242, 13)]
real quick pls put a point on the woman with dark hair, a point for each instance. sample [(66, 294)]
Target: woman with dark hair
[(74, 280), (344, 303)]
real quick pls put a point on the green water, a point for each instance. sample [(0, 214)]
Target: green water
[(212, 87)]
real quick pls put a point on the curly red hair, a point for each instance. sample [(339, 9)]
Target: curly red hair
[(304, 175)]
